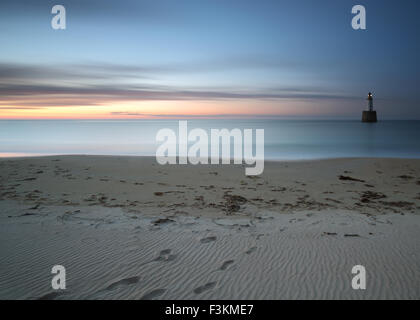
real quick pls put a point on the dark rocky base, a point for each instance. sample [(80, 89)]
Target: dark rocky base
[(369, 116)]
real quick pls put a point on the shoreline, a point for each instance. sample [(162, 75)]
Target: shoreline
[(154, 157)]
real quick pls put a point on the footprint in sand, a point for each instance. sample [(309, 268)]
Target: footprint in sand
[(258, 236), (208, 239), (165, 251), (226, 264), (153, 294), (165, 255), (251, 250), (50, 296), (123, 282), (207, 286)]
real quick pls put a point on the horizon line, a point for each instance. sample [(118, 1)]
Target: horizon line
[(208, 118)]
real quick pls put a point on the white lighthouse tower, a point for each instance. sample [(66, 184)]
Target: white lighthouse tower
[(370, 114)]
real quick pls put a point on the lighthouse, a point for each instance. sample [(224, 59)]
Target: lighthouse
[(369, 115)]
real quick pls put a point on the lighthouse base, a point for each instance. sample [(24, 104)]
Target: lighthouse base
[(369, 116)]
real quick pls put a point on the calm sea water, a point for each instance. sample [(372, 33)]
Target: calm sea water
[(284, 139)]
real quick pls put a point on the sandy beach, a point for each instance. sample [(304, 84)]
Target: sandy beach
[(129, 228)]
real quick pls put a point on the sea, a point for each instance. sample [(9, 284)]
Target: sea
[(283, 139)]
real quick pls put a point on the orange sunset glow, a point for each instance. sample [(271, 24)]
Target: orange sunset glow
[(162, 109)]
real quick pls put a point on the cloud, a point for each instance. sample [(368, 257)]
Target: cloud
[(85, 84), (111, 71), (18, 108), (93, 95), (24, 73), (194, 116)]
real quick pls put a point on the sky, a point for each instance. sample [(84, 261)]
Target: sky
[(208, 59)]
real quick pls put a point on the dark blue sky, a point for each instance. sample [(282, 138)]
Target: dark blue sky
[(297, 58)]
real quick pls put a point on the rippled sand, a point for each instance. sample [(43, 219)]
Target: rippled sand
[(273, 237)]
